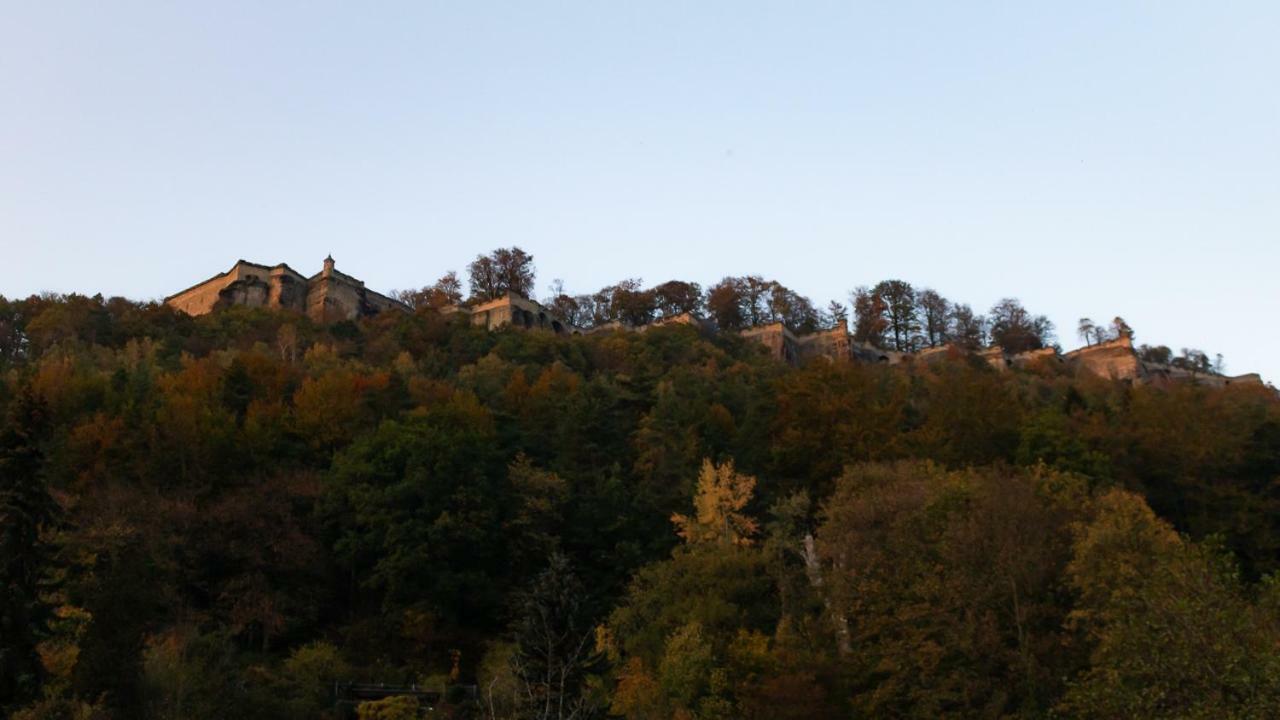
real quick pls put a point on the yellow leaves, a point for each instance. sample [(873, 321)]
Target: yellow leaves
[(750, 651), (58, 659), (516, 392), (331, 407), (637, 695), (398, 707), (59, 653), (606, 644), (721, 495), (404, 364), (321, 357)]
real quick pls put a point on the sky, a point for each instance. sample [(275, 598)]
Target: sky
[(1090, 158)]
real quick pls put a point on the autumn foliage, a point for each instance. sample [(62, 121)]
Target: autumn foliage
[(224, 516)]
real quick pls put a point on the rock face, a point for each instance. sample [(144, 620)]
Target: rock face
[(327, 296)]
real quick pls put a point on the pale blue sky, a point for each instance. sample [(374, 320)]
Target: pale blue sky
[(1097, 158)]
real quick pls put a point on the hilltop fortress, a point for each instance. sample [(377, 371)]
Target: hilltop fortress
[(332, 296), (327, 296)]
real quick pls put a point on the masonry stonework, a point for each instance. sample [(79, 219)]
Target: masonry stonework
[(327, 296), (330, 296)]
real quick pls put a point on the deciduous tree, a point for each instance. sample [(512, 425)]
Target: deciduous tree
[(935, 317), (1016, 330)]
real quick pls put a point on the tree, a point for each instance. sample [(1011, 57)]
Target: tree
[(13, 337), (573, 310), (445, 292), (741, 302), (1016, 330), (1192, 360), (404, 502), (935, 316), (1172, 634), (724, 303), (676, 297), (950, 582), (27, 516), (671, 635), (1160, 354), (1086, 329), (396, 707), (756, 292), (536, 520), (308, 676), (968, 330), (482, 274), (1121, 329), (629, 303), (555, 646), (902, 321), (721, 495), (502, 271), (869, 310), (792, 309), (837, 314), (515, 270)]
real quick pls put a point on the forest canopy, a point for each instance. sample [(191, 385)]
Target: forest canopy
[(224, 516)]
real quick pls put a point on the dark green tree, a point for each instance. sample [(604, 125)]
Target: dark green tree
[(27, 515), (555, 646), (901, 313), (934, 313), (1016, 330)]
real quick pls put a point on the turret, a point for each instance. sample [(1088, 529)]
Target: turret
[(328, 266)]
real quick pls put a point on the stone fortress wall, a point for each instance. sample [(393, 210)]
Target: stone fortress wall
[(331, 296), (327, 296)]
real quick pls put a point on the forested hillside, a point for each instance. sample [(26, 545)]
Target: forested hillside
[(223, 516)]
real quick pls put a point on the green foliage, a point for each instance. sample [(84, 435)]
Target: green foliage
[(412, 513), (308, 676), (220, 516), (1172, 632), (948, 583)]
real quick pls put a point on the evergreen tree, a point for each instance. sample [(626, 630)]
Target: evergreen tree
[(27, 513), (555, 646)]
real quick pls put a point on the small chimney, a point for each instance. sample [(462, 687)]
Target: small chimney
[(328, 266)]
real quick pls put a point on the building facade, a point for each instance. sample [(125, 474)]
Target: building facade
[(327, 296)]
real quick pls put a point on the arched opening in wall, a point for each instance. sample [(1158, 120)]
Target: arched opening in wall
[(542, 319), (557, 327), (527, 318)]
